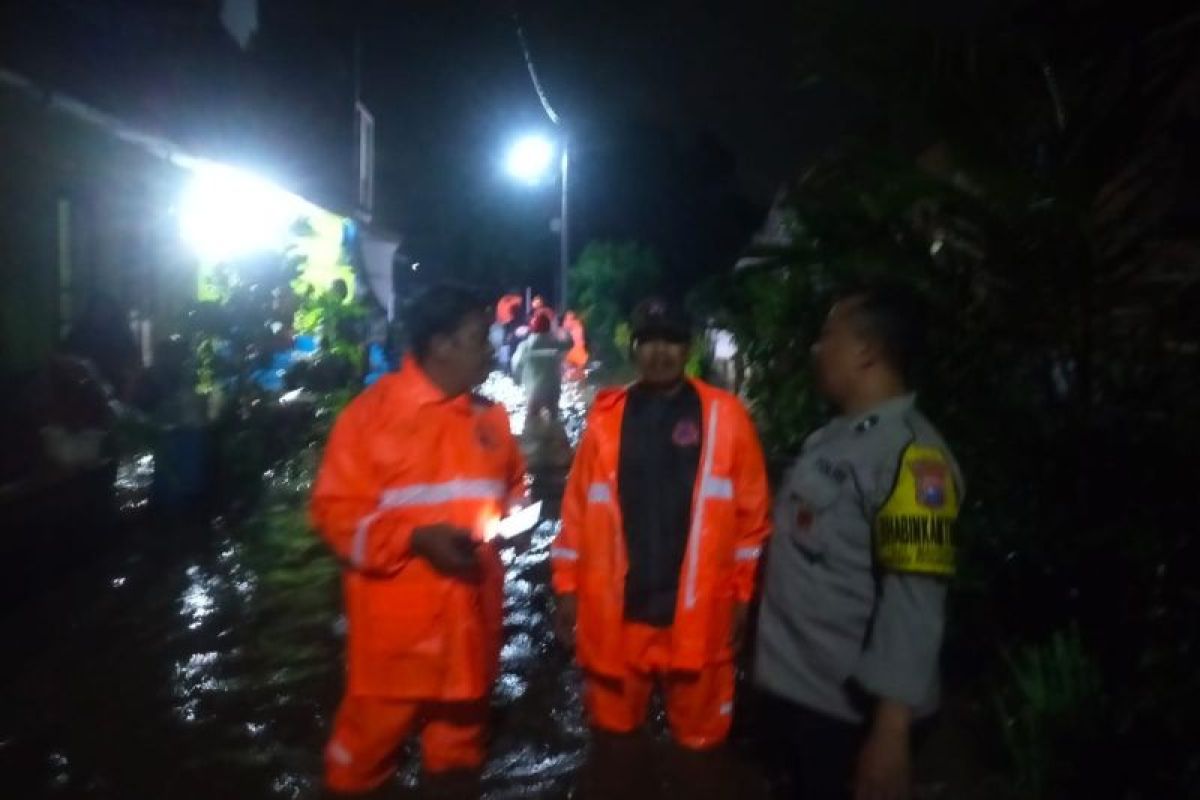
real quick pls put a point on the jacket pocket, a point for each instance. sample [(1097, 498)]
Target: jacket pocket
[(403, 615)]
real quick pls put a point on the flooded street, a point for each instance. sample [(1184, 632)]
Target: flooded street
[(202, 661)]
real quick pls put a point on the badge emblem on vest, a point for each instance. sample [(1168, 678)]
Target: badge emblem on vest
[(486, 439), (930, 481), (802, 538), (686, 433)]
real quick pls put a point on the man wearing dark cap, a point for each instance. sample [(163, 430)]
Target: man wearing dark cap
[(664, 517)]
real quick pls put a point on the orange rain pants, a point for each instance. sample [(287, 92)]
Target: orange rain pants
[(699, 704), (361, 755)]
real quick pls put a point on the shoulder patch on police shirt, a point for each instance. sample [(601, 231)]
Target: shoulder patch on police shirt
[(915, 527)]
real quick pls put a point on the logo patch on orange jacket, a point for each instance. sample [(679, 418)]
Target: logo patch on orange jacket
[(686, 433), (488, 439)]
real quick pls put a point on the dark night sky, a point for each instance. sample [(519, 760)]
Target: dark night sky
[(687, 115), (724, 68), (687, 119)]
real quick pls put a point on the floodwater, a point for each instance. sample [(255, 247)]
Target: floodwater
[(205, 661)]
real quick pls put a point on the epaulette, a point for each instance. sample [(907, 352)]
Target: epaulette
[(866, 424)]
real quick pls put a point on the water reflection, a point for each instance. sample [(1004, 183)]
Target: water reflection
[(135, 474), (510, 687), (216, 672), (197, 600)]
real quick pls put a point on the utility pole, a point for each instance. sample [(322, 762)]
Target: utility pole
[(564, 235), (564, 229)]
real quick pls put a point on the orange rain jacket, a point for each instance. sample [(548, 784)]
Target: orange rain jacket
[(730, 521), (578, 355), (507, 308), (403, 455)]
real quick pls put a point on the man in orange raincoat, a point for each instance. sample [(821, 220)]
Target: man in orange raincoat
[(664, 517), (416, 469), (577, 357)]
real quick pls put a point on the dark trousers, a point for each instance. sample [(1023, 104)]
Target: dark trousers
[(545, 398), (817, 753)]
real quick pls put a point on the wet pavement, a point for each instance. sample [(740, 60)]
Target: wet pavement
[(205, 661)]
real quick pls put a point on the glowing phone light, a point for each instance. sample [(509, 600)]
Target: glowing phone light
[(514, 524)]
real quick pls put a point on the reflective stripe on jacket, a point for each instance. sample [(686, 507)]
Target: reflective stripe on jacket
[(401, 456), (730, 521)]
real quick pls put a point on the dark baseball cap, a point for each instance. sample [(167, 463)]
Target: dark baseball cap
[(656, 318)]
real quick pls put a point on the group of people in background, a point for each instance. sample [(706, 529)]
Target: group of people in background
[(538, 350)]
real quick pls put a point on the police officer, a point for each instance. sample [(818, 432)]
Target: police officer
[(853, 607)]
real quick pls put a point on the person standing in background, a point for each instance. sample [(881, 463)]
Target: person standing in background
[(577, 356), (537, 366), (723, 357), (102, 336)]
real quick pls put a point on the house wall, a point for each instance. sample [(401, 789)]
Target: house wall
[(72, 191)]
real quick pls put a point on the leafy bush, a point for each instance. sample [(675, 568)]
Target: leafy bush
[(250, 316), (1051, 710), (1036, 218), (607, 281)]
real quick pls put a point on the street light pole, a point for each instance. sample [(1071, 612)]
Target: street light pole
[(564, 231), (564, 240)]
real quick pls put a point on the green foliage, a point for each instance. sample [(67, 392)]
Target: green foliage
[(696, 366), (1038, 220), (236, 330), (337, 321), (607, 281), (248, 321), (1051, 710)]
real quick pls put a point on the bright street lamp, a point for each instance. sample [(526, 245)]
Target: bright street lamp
[(530, 158), (528, 161)]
